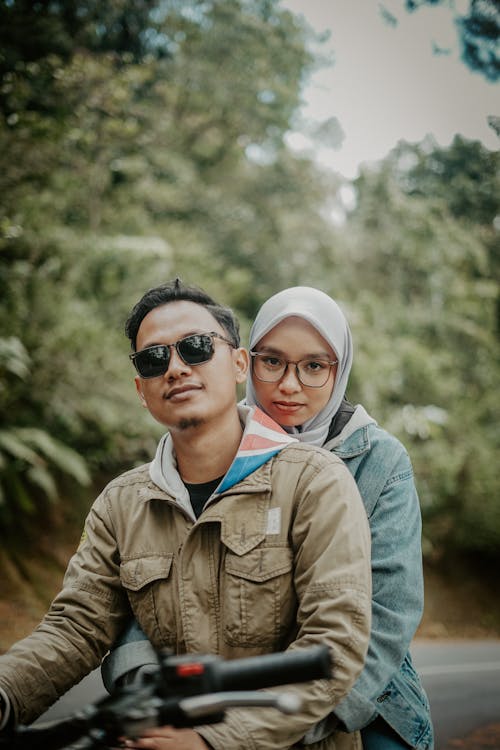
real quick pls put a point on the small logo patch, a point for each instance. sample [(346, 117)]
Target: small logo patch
[(273, 521)]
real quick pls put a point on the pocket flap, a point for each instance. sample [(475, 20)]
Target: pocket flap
[(140, 571), (260, 564)]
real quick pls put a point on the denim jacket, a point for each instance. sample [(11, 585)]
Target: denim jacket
[(388, 685)]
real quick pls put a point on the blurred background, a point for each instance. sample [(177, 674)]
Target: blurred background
[(246, 146)]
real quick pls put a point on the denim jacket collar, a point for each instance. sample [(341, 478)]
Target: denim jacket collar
[(354, 437)]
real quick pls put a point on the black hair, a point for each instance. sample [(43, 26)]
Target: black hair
[(176, 291)]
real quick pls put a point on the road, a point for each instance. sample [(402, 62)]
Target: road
[(462, 679)]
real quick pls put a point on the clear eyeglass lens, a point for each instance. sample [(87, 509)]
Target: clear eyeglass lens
[(311, 372)]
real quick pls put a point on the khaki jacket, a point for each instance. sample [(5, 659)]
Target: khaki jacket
[(281, 559)]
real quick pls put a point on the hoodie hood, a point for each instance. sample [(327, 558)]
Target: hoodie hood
[(359, 419), (262, 438)]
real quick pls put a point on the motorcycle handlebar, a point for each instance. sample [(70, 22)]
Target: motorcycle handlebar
[(270, 670), (184, 691)]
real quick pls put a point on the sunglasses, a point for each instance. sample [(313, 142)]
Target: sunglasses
[(193, 350)]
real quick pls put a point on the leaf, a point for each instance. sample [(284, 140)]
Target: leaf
[(42, 478), (65, 458), (19, 495), (12, 444), (13, 357)]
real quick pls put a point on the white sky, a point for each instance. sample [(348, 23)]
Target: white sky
[(386, 84)]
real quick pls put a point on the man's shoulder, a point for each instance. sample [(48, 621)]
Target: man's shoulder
[(139, 475), (303, 471), (304, 453)]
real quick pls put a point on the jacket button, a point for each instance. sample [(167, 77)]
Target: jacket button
[(383, 697)]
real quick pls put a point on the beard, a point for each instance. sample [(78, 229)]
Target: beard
[(189, 422)]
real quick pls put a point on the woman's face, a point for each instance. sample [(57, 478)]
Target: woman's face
[(287, 401)]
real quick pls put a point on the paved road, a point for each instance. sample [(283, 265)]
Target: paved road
[(462, 680)]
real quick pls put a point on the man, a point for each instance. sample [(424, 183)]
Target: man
[(236, 540)]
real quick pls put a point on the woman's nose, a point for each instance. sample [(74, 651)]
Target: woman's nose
[(289, 382)]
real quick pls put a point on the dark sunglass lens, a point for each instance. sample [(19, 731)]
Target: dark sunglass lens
[(196, 349), (153, 362)]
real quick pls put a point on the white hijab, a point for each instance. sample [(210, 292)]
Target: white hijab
[(322, 312)]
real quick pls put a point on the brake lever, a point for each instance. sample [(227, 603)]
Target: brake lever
[(201, 709), (202, 705)]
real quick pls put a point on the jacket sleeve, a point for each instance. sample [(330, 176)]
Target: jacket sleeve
[(398, 593), (128, 657), (83, 620), (331, 558)]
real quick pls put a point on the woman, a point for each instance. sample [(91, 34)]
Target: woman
[(301, 350)]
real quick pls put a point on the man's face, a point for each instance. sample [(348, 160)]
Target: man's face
[(188, 396)]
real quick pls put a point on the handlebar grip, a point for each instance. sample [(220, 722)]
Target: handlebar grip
[(269, 670), (55, 735)]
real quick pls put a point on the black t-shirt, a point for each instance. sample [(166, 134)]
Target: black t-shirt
[(199, 493)]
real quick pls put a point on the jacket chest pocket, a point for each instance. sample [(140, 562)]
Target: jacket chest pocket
[(151, 589), (258, 601)]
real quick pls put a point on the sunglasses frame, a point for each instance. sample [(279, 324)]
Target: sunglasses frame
[(212, 335)]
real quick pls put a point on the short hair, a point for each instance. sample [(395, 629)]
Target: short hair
[(176, 291)]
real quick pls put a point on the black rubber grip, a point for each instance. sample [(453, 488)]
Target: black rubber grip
[(269, 670)]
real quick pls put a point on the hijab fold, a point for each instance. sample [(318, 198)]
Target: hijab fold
[(323, 313)]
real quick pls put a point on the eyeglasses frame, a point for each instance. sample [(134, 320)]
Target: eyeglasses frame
[(289, 362)]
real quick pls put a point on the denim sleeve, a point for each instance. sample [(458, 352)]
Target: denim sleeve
[(129, 653), (398, 591)]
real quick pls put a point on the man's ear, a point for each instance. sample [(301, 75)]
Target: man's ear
[(138, 388), (241, 361)]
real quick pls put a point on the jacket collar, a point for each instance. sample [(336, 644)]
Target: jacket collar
[(354, 437), (262, 438)]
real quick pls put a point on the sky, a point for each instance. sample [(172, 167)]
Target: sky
[(386, 84)]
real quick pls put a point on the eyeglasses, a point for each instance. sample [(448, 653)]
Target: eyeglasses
[(313, 373), (193, 350)]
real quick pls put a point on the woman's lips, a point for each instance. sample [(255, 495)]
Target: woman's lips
[(288, 407)]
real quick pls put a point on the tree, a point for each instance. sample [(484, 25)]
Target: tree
[(123, 166), (421, 261), (465, 180), (479, 32), (126, 164)]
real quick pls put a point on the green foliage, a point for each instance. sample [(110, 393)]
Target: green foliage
[(32, 451), (30, 458), (464, 178), (479, 31), (140, 141), (431, 294), (125, 165)]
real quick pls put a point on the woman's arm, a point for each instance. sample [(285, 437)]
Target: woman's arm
[(397, 578)]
